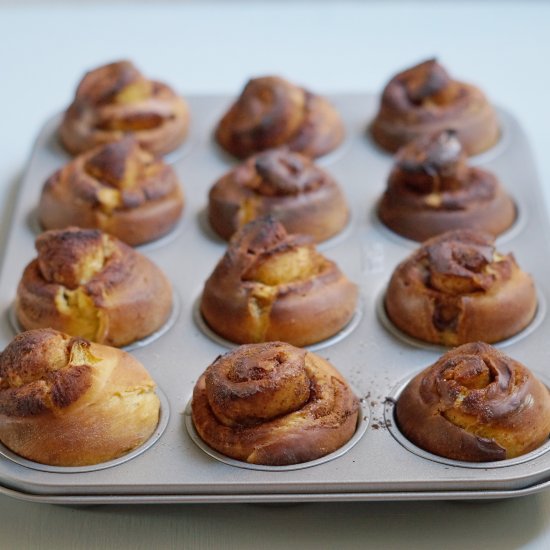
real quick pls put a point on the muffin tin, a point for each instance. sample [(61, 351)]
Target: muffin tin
[(373, 359)]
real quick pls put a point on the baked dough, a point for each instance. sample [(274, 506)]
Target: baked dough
[(457, 288), (273, 404), (68, 402), (87, 283), (119, 188), (115, 100), (424, 100), (273, 286), (289, 186), (475, 404), (271, 112), (431, 189)]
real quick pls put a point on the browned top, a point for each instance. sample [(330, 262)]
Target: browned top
[(458, 262), (102, 85), (116, 99), (432, 173), (117, 176), (475, 403), (271, 112), (77, 257), (273, 403), (425, 90), (263, 252), (257, 383), (278, 173), (120, 84), (43, 370)]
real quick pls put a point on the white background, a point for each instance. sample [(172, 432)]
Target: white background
[(503, 47)]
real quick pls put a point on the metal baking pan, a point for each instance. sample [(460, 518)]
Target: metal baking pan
[(375, 360)]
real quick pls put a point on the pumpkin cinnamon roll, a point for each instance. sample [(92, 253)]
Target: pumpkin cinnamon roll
[(119, 188), (273, 286), (68, 402), (424, 100), (431, 189), (457, 288), (475, 404), (271, 112), (273, 404), (116, 100), (286, 185), (87, 283)]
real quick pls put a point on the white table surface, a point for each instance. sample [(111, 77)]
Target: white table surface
[(214, 47)]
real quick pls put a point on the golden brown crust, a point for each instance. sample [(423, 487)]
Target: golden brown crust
[(456, 288), (273, 404), (271, 112), (119, 188), (424, 100), (115, 100), (274, 286), (89, 284), (278, 182), (431, 189), (68, 402), (475, 404)]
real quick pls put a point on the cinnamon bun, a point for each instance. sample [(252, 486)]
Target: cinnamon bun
[(273, 286), (87, 283), (475, 404), (271, 112), (119, 188), (115, 100), (424, 100), (68, 402), (278, 182), (457, 288), (273, 404), (431, 189)]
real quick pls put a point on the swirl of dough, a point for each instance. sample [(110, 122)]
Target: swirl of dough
[(456, 288), (119, 188), (425, 100), (271, 112), (115, 100), (273, 404), (475, 404), (431, 189), (286, 185)]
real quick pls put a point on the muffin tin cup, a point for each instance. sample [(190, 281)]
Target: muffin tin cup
[(388, 324), (159, 430), (393, 428), (500, 147), (185, 149), (363, 420), (367, 354)]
